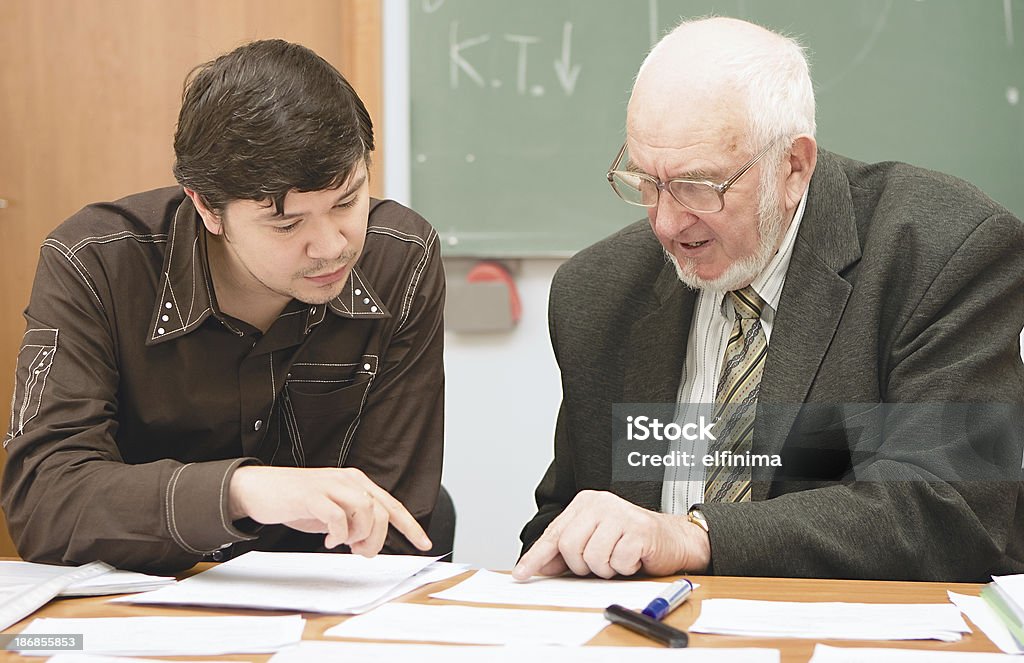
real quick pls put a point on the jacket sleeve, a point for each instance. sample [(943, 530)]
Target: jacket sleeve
[(558, 487), (68, 495), (400, 440), (937, 499)]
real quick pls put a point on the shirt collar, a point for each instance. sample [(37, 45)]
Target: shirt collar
[(187, 295)]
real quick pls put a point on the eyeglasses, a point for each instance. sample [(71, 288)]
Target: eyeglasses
[(695, 195)]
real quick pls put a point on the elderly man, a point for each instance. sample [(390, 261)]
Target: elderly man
[(251, 360), (793, 276)]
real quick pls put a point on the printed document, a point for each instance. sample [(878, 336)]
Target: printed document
[(844, 621), (306, 582), (490, 587)]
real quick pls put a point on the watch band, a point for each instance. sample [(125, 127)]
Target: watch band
[(696, 516)]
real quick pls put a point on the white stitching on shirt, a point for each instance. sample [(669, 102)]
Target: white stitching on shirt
[(18, 419), (426, 243), (172, 526), (123, 234), (74, 262), (292, 426), (350, 433), (195, 261), (302, 363), (220, 500), (398, 234), (273, 382), (413, 284)]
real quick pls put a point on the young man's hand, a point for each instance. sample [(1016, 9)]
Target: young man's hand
[(341, 502)]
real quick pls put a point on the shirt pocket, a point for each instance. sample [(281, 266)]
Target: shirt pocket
[(322, 406), (35, 358)]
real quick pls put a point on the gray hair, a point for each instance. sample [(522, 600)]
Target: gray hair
[(771, 75)]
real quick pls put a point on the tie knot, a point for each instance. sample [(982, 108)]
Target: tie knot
[(748, 303)]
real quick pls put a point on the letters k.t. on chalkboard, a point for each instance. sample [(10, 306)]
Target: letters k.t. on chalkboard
[(518, 106)]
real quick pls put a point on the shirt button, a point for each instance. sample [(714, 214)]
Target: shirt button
[(165, 318), (373, 309), (218, 555), (358, 292), (167, 305), (312, 311), (258, 425), (366, 367), (161, 331), (366, 301)]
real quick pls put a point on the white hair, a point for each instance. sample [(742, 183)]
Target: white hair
[(772, 75)]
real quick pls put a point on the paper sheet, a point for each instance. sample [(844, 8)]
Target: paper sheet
[(848, 621), (490, 587), (985, 618), (481, 626), (826, 654), (112, 582), (436, 572), (358, 652), (174, 636), (308, 582), (94, 658)]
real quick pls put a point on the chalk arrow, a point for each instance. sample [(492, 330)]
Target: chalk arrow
[(567, 74)]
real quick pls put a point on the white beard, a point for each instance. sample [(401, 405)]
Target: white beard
[(741, 273)]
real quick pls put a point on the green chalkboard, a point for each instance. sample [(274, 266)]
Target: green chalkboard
[(518, 106)]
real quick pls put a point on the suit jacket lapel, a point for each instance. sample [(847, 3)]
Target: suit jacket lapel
[(810, 308), (654, 356)]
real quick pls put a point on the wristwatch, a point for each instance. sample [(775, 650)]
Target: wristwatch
[(696, 516)]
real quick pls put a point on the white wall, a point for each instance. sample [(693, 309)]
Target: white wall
[(502, 399)]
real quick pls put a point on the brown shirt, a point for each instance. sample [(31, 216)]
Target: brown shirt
[(136, 398)]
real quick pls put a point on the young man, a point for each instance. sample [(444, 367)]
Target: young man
[(249, 361)]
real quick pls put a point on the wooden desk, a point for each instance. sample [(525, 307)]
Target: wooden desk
[(779, 589)]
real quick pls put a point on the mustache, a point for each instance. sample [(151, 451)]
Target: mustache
[(329, 267)]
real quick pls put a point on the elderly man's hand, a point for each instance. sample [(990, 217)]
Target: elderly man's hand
[(341, 502), (602, 533)]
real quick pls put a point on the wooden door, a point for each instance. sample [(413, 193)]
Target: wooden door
[(89, 97)]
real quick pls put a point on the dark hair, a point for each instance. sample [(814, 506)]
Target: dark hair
[(265, 119)]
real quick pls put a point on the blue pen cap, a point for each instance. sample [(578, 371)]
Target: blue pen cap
[(657, 609)]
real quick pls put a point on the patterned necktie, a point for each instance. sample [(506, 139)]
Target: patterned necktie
[(736, 400)]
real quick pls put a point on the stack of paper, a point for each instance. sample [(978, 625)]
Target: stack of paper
[(985, 618), (174, 636), (308, 582), (110, 581), (1005, 595), (25, 587), (849, 621), (490, 587)]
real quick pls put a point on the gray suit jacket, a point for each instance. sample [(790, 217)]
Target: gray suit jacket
[(905, 286)]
